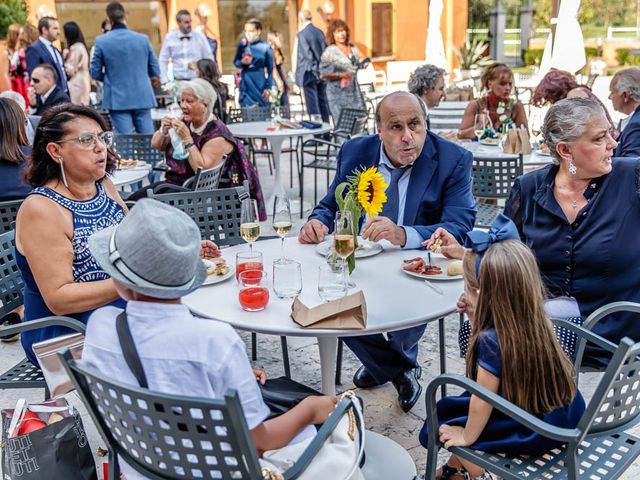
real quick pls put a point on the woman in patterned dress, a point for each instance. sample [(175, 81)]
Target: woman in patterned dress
[(338, 68)]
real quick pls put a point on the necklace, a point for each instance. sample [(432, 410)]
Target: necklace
[(574, 202)]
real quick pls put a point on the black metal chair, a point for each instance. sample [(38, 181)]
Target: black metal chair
[(597, 448), (24, 374), (493, 178), (138, 147), (204, 179), (107, 118), (8, 214), (166, 436)]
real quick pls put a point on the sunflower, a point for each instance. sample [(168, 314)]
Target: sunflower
[(370, 187)]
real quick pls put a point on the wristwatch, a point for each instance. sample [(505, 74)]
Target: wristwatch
[(187, 146)]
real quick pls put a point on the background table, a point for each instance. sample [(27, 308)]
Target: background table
[(251, 130), (530, 161), (394, 299), (130, 176)]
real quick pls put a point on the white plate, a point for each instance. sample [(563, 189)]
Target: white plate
[(438, 261), (365, 248), (494, 142), (138, 166), (543, 153), (211, 279)]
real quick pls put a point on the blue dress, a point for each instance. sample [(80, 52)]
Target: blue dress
[(12, 187), (595, 258), (502, 434), (89, 216), (257, 76)]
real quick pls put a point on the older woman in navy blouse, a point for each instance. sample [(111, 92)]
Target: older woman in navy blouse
[(581, 218)]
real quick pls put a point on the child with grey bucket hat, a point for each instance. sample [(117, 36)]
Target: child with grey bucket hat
[(153, 257)]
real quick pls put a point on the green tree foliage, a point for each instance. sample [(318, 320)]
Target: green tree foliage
[(12, 11)]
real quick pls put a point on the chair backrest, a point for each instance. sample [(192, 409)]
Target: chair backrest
[(234, 115), (591, 79), (216, 212), (493, 177), (367, 88), (168, 436), (256, 114), (352, 121), (8, 214), (138, 147), (615, 404), (205, 179), (107, 118), (11, 283)]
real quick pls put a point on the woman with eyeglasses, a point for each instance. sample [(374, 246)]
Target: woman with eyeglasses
[(72, 199)]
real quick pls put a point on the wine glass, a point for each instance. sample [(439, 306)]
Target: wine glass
[(343, 241), (481, 124), (249, 223), (282, 217), (535, 122)]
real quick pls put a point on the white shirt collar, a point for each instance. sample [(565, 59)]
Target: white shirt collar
[(46, 95), (46, 42)]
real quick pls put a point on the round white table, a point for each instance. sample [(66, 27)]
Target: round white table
[(394, 300), (531, 161), (130, 176), (266, 130)]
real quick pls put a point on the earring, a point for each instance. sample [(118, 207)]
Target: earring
[(572, 168), (64, 178)]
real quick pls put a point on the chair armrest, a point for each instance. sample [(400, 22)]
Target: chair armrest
[(54, 321), (318, 441), (496, 401), (318, 141), (608, 309)]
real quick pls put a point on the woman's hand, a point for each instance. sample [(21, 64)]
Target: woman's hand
[(260, 375), (165, 125), (182, 130), (452, 436), (449, 246), (466, 306), (266, 95), (208, 249)]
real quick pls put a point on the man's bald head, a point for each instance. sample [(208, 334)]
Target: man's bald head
[(394, 100)]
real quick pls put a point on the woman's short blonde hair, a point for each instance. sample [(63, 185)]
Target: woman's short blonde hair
[(202, 90)]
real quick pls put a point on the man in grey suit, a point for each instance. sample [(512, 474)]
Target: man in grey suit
[(125, 62), (311, 44)]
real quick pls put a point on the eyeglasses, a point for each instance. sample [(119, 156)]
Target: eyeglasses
[(35, 80), (88, 140)]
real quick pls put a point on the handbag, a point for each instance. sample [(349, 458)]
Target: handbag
[(340, 456), (282, 394), (44, 441)]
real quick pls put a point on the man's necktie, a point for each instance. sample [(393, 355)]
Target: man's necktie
[(57, 57), (392, 205)]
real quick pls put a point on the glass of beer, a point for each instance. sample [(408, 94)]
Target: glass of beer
[(254, 291), (248, 261), (343, 241), (282, 217), (249, 222)]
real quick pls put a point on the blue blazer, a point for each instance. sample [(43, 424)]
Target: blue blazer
[(629, 142), (311, 44), (38, 53), (125, 62), (439, 191)]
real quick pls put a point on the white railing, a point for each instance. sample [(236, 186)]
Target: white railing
[(611, 31)]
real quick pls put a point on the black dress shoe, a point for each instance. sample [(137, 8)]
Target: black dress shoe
[(364, 379), (408, 387)]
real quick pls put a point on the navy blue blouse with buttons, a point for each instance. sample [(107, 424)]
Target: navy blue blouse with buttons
[(595, 259)]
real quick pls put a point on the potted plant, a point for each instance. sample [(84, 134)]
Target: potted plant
[(471, 56)]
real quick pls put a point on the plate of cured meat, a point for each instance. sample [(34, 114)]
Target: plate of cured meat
[(441, 268)]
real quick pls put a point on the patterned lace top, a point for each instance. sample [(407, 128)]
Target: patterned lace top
[(89, 216)]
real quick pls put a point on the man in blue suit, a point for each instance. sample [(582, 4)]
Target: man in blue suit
[(125, 62), (311, 44), (624, 93), (429, 186), (42, 51)]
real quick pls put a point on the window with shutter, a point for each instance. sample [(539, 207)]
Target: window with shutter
[(382, 29)]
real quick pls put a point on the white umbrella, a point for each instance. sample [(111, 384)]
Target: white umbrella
[(434, 49), (568, 44)]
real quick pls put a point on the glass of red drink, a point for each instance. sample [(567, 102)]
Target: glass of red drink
[(248, 261), (254, 291)]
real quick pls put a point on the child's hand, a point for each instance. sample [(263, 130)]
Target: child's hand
[(261, 376), (449, 246), (321, 407), (452, 436)]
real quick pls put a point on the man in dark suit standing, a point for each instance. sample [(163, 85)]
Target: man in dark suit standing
[(125, 62), (429, 186), (624, 93), (44, 92), (311, 44), (43, 51)]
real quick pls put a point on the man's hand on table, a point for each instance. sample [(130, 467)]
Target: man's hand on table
[(381, 228), (449, 246), (313, 231)]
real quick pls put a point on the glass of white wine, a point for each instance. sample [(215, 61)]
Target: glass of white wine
[(249, 223), (481, 123), (343, 241), (282, 217)]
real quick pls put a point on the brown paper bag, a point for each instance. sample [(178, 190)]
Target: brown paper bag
[(510, 143), (349, 312), (525, 141)]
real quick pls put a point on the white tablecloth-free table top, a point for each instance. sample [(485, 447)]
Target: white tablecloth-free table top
[(532, 159), (263, 130), (123, 178), (394, 300)]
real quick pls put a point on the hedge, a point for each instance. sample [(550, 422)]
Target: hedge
[(627, 56)]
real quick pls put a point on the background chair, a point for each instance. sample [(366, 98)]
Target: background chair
[(24, 374), (8, 214), (597, 448), (205, 179), (493, 178), (166, 436), (137, 146)]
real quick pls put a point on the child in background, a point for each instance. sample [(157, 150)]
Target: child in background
[(513, 352)]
